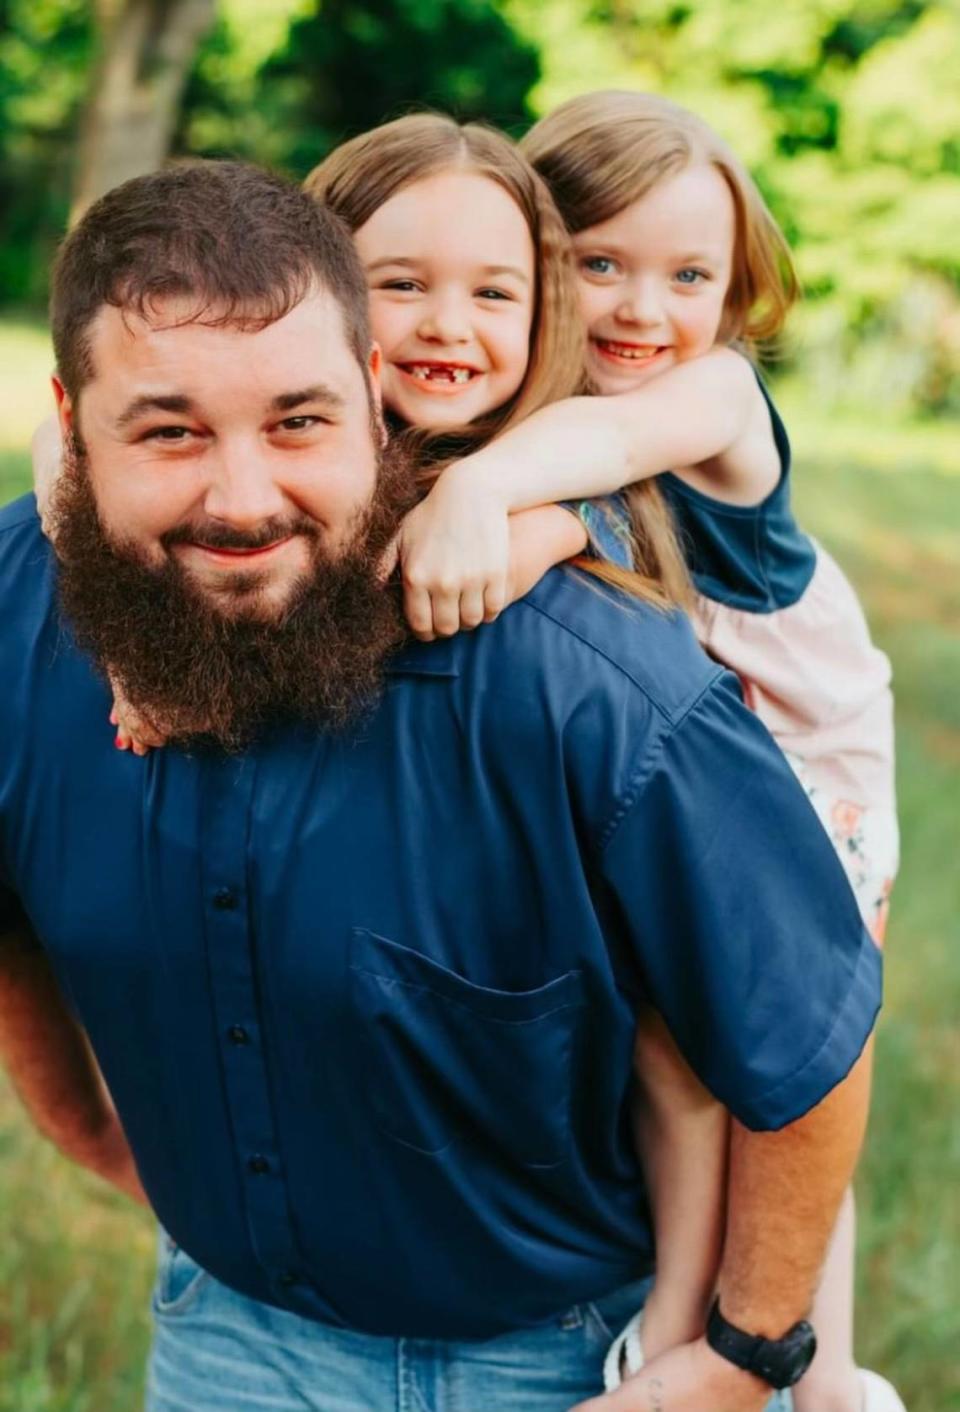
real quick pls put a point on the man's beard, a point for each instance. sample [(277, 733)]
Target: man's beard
[(201, 675)]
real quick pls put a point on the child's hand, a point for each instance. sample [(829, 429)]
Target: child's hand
[(46, 449), (454, 555), (134, 731)]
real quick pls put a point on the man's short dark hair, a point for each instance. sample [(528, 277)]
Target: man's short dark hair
[(244, 244)]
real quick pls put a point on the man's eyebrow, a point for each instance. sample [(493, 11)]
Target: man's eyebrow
[(317, 392), (150, 402), (180, 402)]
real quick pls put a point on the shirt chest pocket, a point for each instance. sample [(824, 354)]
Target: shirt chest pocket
[(442, 1059)]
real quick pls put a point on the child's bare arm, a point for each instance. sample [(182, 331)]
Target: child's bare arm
[(539, 539), (46, 450), (682, 1137), (461, 568), (705, 419)]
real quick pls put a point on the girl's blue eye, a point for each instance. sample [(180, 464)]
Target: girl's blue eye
[(689, 276), (403, 285), (492, 294), (599, 265)]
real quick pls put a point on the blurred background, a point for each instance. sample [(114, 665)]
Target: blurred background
[(848, 114)]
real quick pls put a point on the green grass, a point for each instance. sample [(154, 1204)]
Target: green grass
[(27, 359), (897, 532), (75, 1260)]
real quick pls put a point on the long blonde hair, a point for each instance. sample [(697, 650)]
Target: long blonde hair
[(602, 151), (360, 175)]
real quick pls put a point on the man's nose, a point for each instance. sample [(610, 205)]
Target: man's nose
[(242, 490), (641, 304), (446, 319)]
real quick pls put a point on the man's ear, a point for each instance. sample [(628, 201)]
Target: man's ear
[(375, 374), (64, 406)]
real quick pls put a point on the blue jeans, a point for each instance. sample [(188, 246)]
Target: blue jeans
[(218, 1351)]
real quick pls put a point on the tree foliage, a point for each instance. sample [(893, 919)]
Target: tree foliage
[(349, 64), (847, 111), (45, 52), (145, 52)]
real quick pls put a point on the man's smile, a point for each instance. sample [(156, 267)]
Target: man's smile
[(245, 555)]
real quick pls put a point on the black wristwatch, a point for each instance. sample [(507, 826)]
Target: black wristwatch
[(781, 1362)]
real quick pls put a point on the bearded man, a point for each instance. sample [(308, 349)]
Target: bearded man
[(360, 953)]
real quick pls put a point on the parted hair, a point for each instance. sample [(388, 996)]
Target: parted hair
[(242, 245), (360, 175), (602, 151)]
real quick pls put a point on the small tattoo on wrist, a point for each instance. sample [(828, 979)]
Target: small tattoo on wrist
[(655, 1390)]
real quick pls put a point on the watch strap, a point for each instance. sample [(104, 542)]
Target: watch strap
[(780, 1362)]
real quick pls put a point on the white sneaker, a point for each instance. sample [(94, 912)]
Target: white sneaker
[(878, 1394)]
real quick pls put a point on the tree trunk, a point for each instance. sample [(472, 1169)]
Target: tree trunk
[(146, 50)]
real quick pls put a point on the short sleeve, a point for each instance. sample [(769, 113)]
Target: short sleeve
[(740, 918), (607, 523)]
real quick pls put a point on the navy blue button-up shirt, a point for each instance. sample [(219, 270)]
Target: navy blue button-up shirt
[(366, 1003)]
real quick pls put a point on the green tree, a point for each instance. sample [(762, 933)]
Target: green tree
[(45, 49), (848, 114), (145, 50), (353, 63)]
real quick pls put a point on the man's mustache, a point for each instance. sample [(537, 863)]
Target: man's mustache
[(214, 534)]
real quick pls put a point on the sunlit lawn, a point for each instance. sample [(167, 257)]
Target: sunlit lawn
[(75, 1261)]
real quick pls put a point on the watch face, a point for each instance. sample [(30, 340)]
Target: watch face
[(801, 1346), (785, 1360)]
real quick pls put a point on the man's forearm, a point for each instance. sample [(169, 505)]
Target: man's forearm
[(785, 1191), (51, 1066), (784, 1194)]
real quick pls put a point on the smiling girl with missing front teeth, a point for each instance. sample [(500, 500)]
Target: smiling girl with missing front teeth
[(453, 325)]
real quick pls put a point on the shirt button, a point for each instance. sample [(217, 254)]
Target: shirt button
[(225, 899), (258, 1164), (238, 1035)]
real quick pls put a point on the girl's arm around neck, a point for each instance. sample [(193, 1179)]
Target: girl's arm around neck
[(460, 567), (706, 419), (540, 539)]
